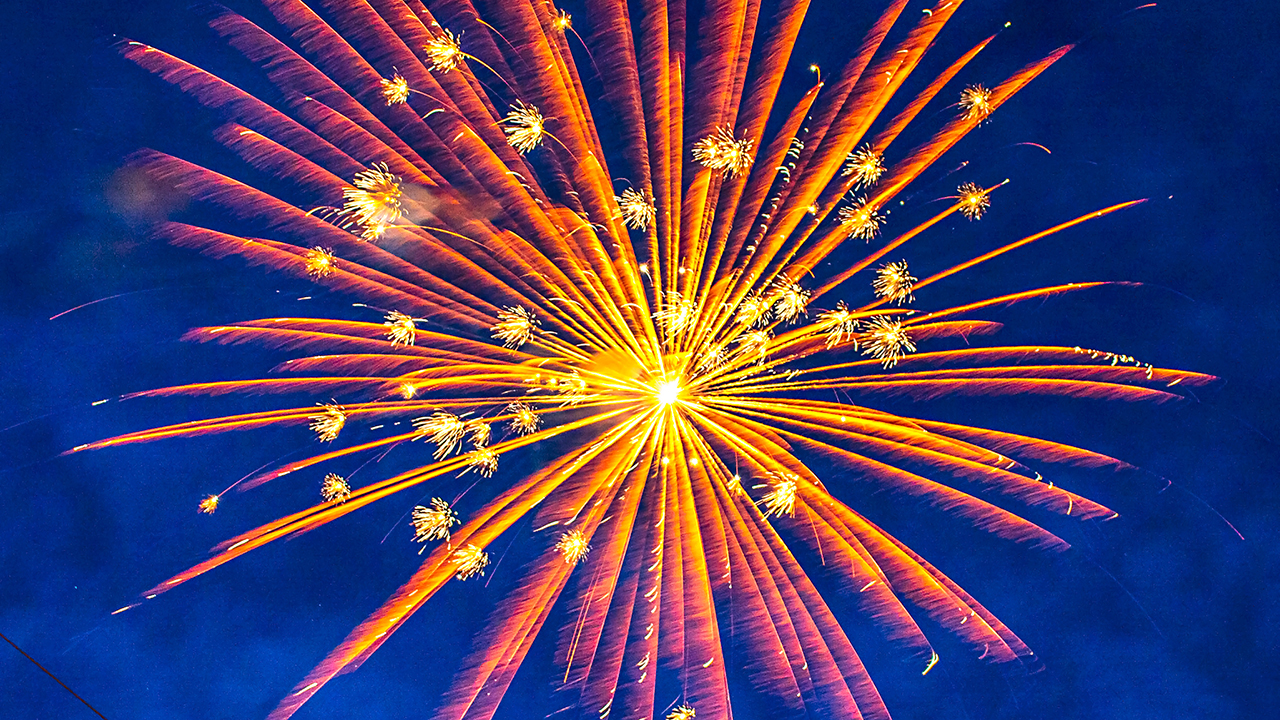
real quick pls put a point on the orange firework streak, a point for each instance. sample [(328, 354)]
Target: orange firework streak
[(455, 179)]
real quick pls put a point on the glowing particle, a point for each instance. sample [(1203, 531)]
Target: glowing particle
[(722, 151), (865, 165), (444, 51), (329, 422), (395, 89), (408, 390), (781, 498), (860, 219), (573, 389), (676, 313), (524, 421), (515, 326), (445, 429), (563, 21), (712, 358), (525, 127), (480, 432), (484, 461), (573, 546), (319, 262), (209, 505), (975, 100), (753, 310), (373, 200), (433, 523), (974, 201), (684, 712), (638, 211), (470, 561), (893, 282), (334, 488), (886, 340), (755, 344), (840, 324), (788, 300), (401, 329)]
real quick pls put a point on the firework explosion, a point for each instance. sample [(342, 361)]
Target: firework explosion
[(661, 369)]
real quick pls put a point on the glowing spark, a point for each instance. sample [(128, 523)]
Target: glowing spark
[(209, 504), (753, 310), (638, 211), (668, 392), (524, 127), (676, 313), (445, 429), (444, 51), (433, 523), (860, 219), (319, 262), (712, 358), (484, 461), (781, 498), (755, 343), (408, 390), (374, 201), (573, 546), (480, 433), (974, 201), (722, 151), (886, 340), (572, 390), (334, 488), (840, 324), (395, 90), (329, 422), (563, 21), (524, 421), (401, 329), (975, 100), (470, 561), (865, 165), (515, 326), (684, 712), (893, 282), (788, 300)]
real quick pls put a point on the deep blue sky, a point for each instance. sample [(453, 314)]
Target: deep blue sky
[(1178, 104)]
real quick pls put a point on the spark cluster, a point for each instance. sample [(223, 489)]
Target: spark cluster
[(722, 151), (470, 561), (861, 219), (865, 166), (638, 211), (433, 521), (894, 282), (975, 100), (525, 127), (334, 488), (401, 329), (328, 422)]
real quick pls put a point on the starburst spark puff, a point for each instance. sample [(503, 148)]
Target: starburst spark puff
[(432, 521), (893, 282), (629, 358), (573, 546)]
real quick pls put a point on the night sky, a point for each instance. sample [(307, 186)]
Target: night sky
[(1165, 613)]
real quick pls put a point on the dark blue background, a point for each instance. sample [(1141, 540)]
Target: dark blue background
[(1177, 103)]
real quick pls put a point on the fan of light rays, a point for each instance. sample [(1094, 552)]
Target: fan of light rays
[(675, 347)]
